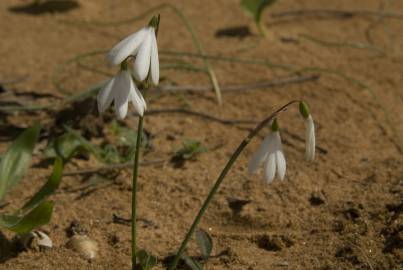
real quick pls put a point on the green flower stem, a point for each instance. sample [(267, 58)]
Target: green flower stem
[(224, 172), (262, 28), (134, 189)]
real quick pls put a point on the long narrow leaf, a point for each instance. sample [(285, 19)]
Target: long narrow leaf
[(22, 224), (48, 188), (147, 261), (17, 159)]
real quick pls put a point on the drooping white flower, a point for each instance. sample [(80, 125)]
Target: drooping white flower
[(271, 153), (309, 138), (309, 131), (143, 45), (121, 89)]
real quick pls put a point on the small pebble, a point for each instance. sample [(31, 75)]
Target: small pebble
[(85, 246)]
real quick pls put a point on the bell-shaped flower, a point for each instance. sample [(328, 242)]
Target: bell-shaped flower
[(309, 138), (143, 45), (309, 131), (271, 153), (121, 89)]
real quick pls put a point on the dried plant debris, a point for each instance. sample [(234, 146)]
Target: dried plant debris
[(36, 240)]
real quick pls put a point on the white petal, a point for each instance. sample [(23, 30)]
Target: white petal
[(121, 93), (270, 167), (281, 164), (259, 155), (136, 99), (278, 152), (126, 47), (143, 58), (142, 99), (105, 97), (277, 141), (309, 139), (155, 65)]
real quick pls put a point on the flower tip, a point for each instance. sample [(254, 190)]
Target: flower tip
[(155, 21), (304, 109), (112, 59)]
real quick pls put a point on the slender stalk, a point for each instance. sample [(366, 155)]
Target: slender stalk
[(220, 179), (134, 189), (200, 48), (262, 28)]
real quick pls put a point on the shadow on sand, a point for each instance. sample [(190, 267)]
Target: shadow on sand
[(50, 6), (234, 32), (8, 249)]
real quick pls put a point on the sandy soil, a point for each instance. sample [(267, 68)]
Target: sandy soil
[(341, 212)]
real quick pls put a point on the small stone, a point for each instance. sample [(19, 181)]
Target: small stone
[(85, 246)]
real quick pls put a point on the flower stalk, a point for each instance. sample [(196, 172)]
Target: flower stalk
[(121, 89), (220, 179), (134, 189)]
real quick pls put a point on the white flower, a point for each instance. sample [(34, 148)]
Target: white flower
[(309, 139), (271, 153), (143, 43), (121, 89)]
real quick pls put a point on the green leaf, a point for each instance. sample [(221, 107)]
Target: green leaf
[(107, 153), (64, 146), (25, 223), (17, 159), (127, 138), (147, 261), (204, 242), (256, 7), (48, 188), (195, 265), (190, 149)]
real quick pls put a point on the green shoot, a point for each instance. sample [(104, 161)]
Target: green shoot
[(255, 9), (190, 149)]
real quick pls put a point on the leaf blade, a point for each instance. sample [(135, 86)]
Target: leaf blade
[(147, 261), (204, 242), (17, 159), (48, 188), (23, 224)]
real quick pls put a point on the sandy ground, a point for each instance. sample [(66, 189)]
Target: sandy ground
[(341, 212)]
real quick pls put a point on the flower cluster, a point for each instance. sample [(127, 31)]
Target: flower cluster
[(121, 89), (270, 152)]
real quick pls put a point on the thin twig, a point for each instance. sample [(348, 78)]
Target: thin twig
[(15, 80), (199, 114), (168, 88), (231, 59), (240, 87), (354, 45), (225, 122), (113, 167), (337, 13)]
